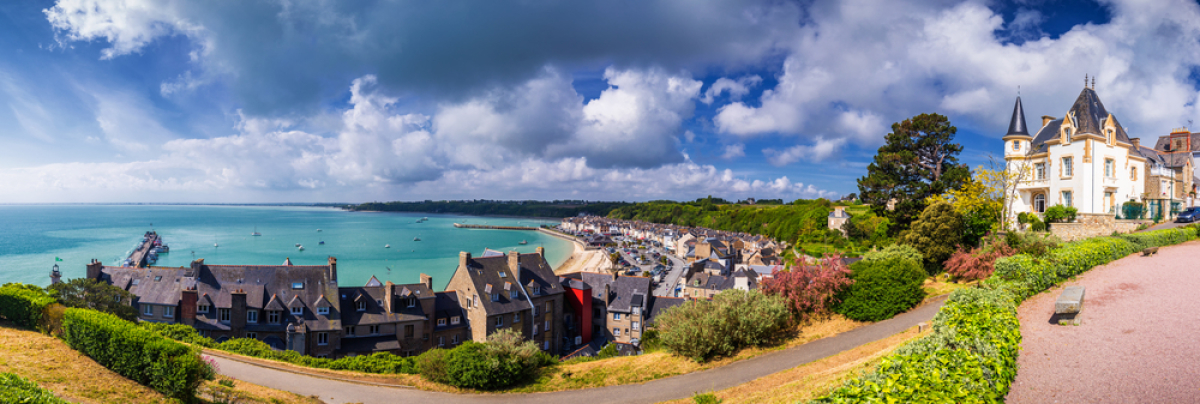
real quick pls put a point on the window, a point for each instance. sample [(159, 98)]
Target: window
[(351, 331), (1108, 201), (412, 302), (322, 338), (535, 311), (454, 339), (223, 315), (455, 320), (1108, 168), (1040, 170), (637, 311), (546, 326), (616, 316), (297, 310), (635, 326), (1016, 145), (203, 308), (499, 321), (252, 316), (362, 305), (169, 311), (475, 301), (1133, 173), (495, 297), (273, 316), (535, 328), (549, 308), (409, 330), (297, 285), (323, 311), (373, 329), (546, 345), (252, 335), (1066, 198), (1066, 166), (503, 275), (512, 294), (441, 322), (441, 341), (516, 317), (537, 290), (616, 332), (147, 310), (1039, 203), (158, 278)]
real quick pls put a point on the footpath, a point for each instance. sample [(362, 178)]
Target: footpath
[(341, 391)]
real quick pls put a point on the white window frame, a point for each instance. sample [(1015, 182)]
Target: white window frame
[(252, 316), (1068, 201), (200, 308), (455, 320), (1110, 168), (223, 315), (1039, 171), (1068, 166), (412, 302), (361, 306), (616, 332), (273, 316), (1035, 203), (636, 326), (616, 316), (168, 311), (252, 335), (297, 311), (512, 294), (147, 310), (499, 321), (441, 322), (441, 341), (323, 311), (454, 339), (322, 338)]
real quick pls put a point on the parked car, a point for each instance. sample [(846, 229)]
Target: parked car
[(1188, 215)]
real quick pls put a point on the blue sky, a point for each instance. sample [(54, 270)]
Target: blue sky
[(281, 101)]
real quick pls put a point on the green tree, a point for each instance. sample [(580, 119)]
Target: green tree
[(936, 234), (87, 293), (919, 160)]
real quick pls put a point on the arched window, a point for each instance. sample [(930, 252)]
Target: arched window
[(1039, 203)]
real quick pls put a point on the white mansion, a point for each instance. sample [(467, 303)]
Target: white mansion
[(1086, 160)]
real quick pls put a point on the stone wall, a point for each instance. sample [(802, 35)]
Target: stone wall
[(1092, 225)]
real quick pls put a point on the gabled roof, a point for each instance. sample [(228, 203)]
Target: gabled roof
[(322, 302), (1088, 115), (373, 281), (296, 302), (484, 273), (274, 304)]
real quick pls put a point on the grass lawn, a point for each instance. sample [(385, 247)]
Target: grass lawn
[(811, 380), (70, 375), (941, 285)]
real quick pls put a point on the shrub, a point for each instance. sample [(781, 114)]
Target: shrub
[(1023, 217), (471, 365), (882, 289), (24, 305), (1036, 224), (809, 289), (977, 263), (609, 351), (87, 293), (705, 398), (1056, 214), (179, 332), (432, 365), (16, 389), (1133, 210), (733, 319), (936, 234), (904, 251), (379, 362), (513, 346), (148, 358)]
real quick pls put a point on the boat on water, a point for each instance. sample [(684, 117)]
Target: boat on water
[(416, 239), (215, 245), (318, 230), (255, 233), (301, 248), (523, 242), (297, 244), (387, 246)]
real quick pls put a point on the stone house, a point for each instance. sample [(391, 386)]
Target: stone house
[(515, 291)]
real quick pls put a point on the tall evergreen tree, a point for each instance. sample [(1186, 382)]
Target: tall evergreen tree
[(919, 160)]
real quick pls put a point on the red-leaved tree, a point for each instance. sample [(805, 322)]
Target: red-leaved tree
[(977, 263), (809, 289)]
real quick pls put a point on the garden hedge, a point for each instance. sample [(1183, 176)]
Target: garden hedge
[(882, 289), (24, 305), (15, 389), (150, 359), (971, 354)]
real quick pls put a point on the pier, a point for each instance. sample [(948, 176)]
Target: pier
[(139, 255), (481, 226)]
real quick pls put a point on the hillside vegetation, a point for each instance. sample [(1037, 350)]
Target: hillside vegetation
[(802, 220), (554, 209)]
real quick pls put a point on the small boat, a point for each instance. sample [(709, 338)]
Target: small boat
[(416, 239), (297, 244), (255, 233), (321, 243), (387, 246), (215, 245), (301, 248), (318, 230), (523, 242)]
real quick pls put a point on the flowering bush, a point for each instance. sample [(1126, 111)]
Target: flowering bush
[(977, 263), (809, 289)]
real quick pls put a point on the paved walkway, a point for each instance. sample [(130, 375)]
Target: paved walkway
[(682, 386), (1136, 342)]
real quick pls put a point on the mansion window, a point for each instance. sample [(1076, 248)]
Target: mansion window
[(223, 315), (1039, 171), (1108, 168), (1133, 173), (1067, 167), (1066, 198), (1016, 145), (1039, 203), (322, 338)]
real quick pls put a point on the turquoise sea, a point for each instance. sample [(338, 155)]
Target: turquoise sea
[(33, 236)]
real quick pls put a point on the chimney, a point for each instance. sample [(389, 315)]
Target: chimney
[(541, 251), (616, 273), (1137, 143), (93, 269), (464, 258), (514, 264), (1046, 119), (333, 270), (607, 295), (389, 291), (196, 266), (427, 280), (237, 313), (187, 306)]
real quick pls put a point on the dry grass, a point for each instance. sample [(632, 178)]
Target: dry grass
[(254, 393), (50, 363), (657, 365), (941, 285), (385, 379), (814, 379)]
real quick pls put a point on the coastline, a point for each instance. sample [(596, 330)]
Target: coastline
[(580, 260)]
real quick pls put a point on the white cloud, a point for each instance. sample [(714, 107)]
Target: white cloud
[(736, 89), (822, 150), (127, 25), (734, 151)]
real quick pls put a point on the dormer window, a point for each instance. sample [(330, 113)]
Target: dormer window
[(324, 311), (537, 290), (495, 297), (412, 302), (503, 275), (297, 310), (362, 305), (297, 285), (512, 294)]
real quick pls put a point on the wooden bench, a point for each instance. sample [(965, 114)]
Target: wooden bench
[(1068, 305)]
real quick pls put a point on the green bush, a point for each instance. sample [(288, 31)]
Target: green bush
[(432, 365), (1133, 210), (733, 319), (705, 398), (903, 251), (970, 355), (1056, 214), (18, 390), (936, 234), (472, 365), (148, 358), (24, 305), (180, 332), (1036, 224), (882, 289)]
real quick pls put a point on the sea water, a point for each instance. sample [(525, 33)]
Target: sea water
[(33, 236)]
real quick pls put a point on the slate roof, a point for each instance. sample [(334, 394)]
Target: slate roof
[(1165, 141), (1088, 114), (376, 313), (658, 305), (447, 306), (485, 273), (621, 292), (1017, 125), (1176, 160)]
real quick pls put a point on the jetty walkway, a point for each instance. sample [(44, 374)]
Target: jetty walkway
[(483, 226), (139, 255)]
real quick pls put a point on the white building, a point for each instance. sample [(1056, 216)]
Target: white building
[(1084, 159)]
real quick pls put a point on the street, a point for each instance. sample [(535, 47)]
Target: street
[(674, 271)]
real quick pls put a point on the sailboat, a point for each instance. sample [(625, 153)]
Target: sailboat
[(387, 246), (523, 242), (416, 239), (255, 233), (301, 248)]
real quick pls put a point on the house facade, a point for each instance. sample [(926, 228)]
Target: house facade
[(514, 291)]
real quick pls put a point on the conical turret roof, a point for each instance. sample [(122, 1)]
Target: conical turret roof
[(1016, 126)]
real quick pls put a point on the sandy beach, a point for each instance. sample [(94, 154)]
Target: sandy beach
[(582, 260)]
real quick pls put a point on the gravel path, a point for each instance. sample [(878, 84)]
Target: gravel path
[(1137, 341)]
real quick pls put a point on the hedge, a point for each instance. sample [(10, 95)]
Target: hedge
[(882, 289), (150, 359), (971, 354), (24, 305), (15, 389)]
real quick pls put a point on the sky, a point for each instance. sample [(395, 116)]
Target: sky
[(332, 101)]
